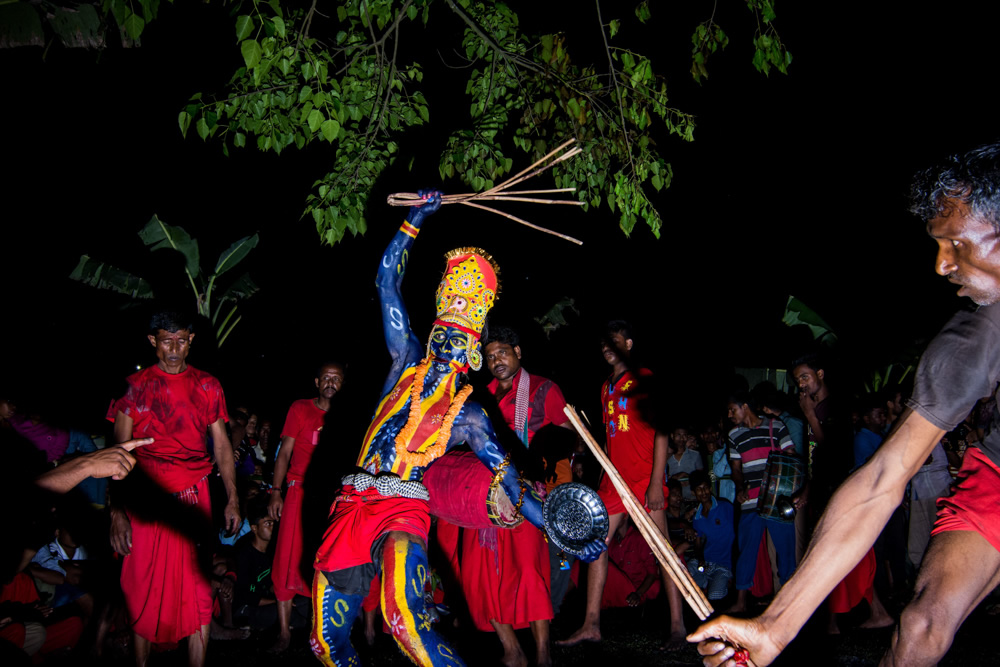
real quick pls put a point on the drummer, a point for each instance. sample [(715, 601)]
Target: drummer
[(754, 437), (380, 521)]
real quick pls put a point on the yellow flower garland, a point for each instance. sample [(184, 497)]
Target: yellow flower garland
[(422, 459)]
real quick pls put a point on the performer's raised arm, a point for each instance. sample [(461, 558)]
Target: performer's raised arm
[(399, 338)]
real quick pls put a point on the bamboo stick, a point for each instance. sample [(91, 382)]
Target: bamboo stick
[(524, 222), (661, 549)]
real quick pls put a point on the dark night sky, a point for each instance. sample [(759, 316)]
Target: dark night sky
[(795, 185)]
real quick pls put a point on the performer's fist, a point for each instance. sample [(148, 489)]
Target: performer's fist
[(431, 203)]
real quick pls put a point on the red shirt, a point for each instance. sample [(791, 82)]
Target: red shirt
[(545, 403), (176, 410), (632, 555), (304, 423), (630, 439)]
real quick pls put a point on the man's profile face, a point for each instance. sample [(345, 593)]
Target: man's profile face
[(738, 414), (809, 381), (616, 347), (503, 360), (172, 347), (968, 252), (330, 380), (449, 344)]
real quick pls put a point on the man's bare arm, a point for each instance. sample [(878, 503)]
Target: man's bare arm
[(852, 521), (284, 457), (654, 493), (227, 471)]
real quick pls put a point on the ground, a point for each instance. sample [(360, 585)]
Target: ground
[(632, 638)]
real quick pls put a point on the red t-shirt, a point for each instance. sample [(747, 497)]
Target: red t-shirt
[(304, 423), (630, 439), (176, 410)]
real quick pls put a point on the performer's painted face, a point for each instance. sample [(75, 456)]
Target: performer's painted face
[(449, 345)]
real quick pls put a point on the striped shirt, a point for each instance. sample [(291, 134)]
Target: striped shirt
[(751, 446)]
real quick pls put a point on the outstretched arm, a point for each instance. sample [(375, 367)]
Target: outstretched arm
[(853, 519), (395, 320)]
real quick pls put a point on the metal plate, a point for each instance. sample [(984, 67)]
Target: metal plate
[(574, 517)]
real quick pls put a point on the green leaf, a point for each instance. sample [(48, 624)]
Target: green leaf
[(202, 128), (614, 26), (133, 25), (184, 121), (279, 25), (330, 129), (315, 119), (20, 25), (235, 254), (251, 53), (244, 27), (104, 276), (159, 235)]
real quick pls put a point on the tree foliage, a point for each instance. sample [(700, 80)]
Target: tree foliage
[(345, 80), (526, 95), (157, 235)]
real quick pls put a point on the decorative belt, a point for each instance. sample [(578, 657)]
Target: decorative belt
[(294, 482), (387, 484)]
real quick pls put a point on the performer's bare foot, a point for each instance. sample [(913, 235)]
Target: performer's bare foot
[(281, 643), (879, 617), (588, 634)]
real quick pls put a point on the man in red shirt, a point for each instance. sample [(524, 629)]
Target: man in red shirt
[(509, 588), (156, 522), (299, 438), (639, 453)]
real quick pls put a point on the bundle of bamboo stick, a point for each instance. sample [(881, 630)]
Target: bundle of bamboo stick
[(502, 191), (664, 553)]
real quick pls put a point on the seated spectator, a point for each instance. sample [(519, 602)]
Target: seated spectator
[(254, 603), (633, 573), (683, 459), (678, 519), (869, 435), (58, 568), (30, 625), (712, 567)]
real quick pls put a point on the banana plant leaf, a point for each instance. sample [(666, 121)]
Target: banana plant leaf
[(235, 254), (797, 312), (554, 317), (158, 235), (104, 276), (242, 288)]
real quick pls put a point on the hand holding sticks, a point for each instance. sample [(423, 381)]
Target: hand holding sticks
[(664, 553)]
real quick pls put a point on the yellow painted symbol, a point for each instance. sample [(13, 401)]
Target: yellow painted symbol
[(422, 573), (626, 385), (446, 653), (339, 607), (623, 422), (611, 407)]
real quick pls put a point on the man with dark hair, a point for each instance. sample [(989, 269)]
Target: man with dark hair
[(712, 567), (639, 453), (299, 438), (156, 524), (752, 439), (960, 204)]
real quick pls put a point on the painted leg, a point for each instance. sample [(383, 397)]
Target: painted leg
[(333, 617), (597, 576), (404, 574), (959, 569), (675, 600)]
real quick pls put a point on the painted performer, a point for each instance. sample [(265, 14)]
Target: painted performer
[(380, 521), (299, 438), (158, 520)]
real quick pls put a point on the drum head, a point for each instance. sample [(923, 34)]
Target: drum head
[(574, 516)]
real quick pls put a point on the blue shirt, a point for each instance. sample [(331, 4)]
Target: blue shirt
[(717, 530), (865, 444)]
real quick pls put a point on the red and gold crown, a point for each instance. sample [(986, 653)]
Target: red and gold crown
[(467, 290)]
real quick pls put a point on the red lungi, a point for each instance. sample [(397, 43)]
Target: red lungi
[(510, 585), (167, 593), (974, 504), (357, 519), (856, 586), (286, 571)]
